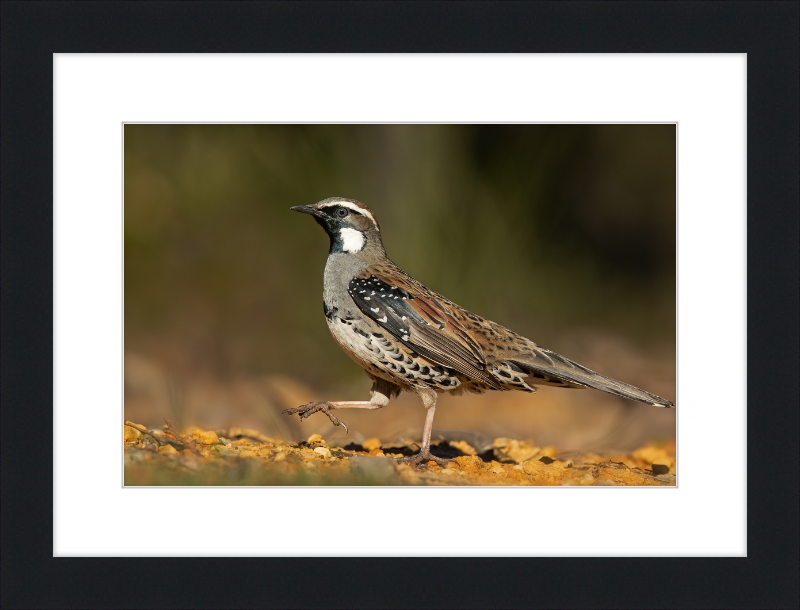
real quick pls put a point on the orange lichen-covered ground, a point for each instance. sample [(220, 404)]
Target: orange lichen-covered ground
[(245, 457)]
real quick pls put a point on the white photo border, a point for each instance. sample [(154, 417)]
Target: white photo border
[(705, 94)]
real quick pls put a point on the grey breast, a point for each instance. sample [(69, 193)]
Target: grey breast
[(339, 270)]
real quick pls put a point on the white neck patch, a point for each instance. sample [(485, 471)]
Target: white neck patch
[(352, 240)]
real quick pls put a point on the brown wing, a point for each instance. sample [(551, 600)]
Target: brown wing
[(401, 306)]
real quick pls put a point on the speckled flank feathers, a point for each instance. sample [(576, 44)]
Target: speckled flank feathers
[(408, 337)]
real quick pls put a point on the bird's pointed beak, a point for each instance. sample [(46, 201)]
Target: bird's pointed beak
[(306, 209)]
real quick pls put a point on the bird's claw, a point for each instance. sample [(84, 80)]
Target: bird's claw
[(425, 456), (313, 407)]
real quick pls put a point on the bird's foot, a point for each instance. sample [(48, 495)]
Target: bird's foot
[(313, 407), (424, 456)]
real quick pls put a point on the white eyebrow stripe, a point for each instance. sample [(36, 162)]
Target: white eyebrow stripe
[(351, 206)]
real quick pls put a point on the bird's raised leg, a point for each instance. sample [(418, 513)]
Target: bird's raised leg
[(425, 454), (327, 407)]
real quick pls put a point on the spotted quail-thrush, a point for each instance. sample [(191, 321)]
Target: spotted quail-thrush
[(408, 337)]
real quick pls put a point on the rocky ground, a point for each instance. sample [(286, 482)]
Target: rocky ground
[(245, 457)]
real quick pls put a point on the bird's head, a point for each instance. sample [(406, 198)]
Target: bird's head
[(350, 224)]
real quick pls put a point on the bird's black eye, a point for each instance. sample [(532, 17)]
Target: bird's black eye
[(341, 212)]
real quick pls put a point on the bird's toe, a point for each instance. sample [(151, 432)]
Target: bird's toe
[(423, 457), (313, 407)]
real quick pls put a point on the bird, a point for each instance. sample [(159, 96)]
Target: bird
[(409, 338)]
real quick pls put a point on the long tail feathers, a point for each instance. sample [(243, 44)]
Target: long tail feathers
[(555, 365)]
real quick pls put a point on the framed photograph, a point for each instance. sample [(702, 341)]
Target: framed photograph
[(538, 152)]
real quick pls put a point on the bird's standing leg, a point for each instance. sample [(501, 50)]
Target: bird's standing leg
[(327, 407), (425, 454)]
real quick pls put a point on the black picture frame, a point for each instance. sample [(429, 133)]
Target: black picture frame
[(767, 31)]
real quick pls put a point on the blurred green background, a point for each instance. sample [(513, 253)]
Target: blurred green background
[(564, 233)]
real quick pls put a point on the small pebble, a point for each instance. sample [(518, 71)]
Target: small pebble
[(323, 451), (496, 467), (167, 450), (315, 439), (514, 450), (464, 447), (208, 437), (551, 452), (371, 444), (470, 461), (132, 434), (661, 466), (535, 467)]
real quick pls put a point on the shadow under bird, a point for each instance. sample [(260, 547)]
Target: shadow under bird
[(407, 337)]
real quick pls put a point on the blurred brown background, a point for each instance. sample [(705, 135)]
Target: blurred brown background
[(564, 233)]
